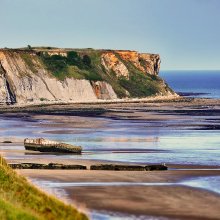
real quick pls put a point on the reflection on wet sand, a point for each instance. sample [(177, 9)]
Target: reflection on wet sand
[(153, 193), (210, 183), (180, 137)]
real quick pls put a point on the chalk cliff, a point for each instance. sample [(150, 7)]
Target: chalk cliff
[(77, 75)]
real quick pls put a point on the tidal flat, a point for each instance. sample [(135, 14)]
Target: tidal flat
[(182, 134)]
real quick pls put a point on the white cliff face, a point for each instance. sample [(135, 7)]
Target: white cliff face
[(111, 62), (24, 77), (22, 83), (6, 95), (103, 90), (3, 95)]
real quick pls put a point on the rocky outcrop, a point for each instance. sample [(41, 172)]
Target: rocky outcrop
[(147, 63), (97, 74), (150, 62), (103, 90), (112, 63), (6, 93), (123, 167), (112, 167), (50, 166), (23, 83)]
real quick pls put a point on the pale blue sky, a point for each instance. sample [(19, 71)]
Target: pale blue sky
[(186, 33)]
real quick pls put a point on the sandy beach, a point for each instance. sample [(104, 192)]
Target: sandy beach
[(181, 192), (164, 200)]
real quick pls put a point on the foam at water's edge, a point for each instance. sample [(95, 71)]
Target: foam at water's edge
[(210, 183)]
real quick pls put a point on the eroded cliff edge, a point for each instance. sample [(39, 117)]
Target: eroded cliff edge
[(77, 75)]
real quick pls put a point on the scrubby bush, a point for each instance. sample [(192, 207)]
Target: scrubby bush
[(74, 59), (73, 65), (86, 60), (55, 63)]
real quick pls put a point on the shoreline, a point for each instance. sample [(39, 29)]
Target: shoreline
[(101, 101), (133, 198), (172, 201), (184, 104), (21, 200)]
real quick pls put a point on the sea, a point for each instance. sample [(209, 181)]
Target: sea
[(194, 83)]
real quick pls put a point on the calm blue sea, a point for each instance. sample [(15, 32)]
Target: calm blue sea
[(195, 83)]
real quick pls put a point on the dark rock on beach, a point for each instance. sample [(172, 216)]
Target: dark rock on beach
[(50, 166), (156, 167), (127, 167), (114, 167), (6, 142)]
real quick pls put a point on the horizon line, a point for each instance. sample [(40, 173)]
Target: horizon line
[(189, 70)]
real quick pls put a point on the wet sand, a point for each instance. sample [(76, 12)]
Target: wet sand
[(118, 176), (173, 201), (181, 105), (176, 201)]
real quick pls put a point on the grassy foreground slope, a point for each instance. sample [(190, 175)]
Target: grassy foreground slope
[(20, 200)]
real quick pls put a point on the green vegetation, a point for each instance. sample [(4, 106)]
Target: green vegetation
[(43, 99), (86, 64), (29, 61), (72, 65), (20, 200), (139, 84), (29, 47), (109, 77)]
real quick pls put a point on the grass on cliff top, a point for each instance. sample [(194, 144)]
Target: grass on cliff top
[(86, 64), (20, 200), (72, 66)]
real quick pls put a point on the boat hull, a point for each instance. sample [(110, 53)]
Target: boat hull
[(50, 146)]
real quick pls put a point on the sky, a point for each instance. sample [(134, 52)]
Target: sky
[(186, 33)]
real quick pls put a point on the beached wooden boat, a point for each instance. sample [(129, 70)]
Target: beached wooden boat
[(43, 145)]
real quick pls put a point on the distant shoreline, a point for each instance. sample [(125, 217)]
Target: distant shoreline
[(167, 98), (97, 108)]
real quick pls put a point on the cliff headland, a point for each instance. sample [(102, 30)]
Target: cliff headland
[(48, 75)]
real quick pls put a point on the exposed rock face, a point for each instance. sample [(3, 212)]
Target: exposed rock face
[(150, 62), (111, 62), (105, 74), (61, 53), (19, 83), (50, 166), (131, 56), (128, 167), (147, 63), (6, 93), (103, 90)]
